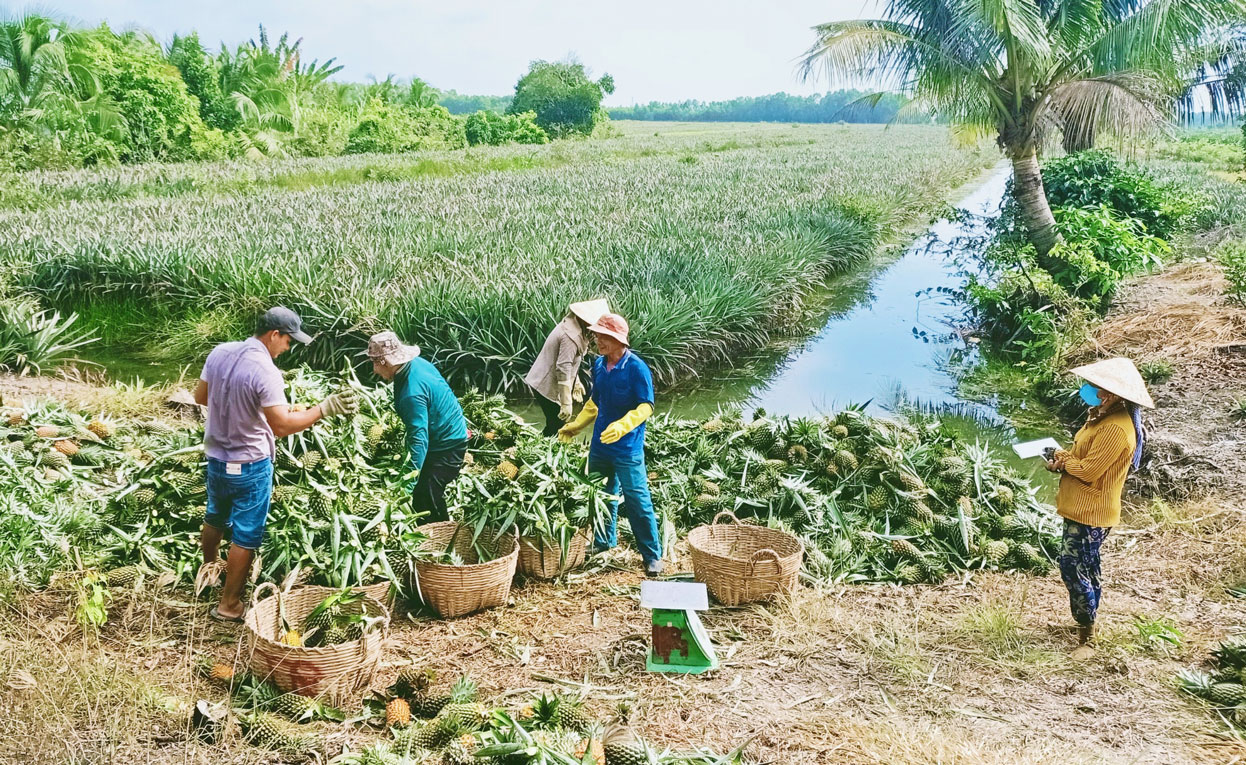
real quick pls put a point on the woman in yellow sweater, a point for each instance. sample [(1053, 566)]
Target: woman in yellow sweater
[(1092, 478)]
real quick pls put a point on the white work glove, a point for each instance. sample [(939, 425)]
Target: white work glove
[(564, 402), (343, 402)]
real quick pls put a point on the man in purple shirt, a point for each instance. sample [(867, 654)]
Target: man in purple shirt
[(247, 411)]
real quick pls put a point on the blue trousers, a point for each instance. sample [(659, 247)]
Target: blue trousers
[(628, 476), (1079, 568)]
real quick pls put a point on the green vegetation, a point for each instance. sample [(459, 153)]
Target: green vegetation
[(706, 260), (1013, 70), (562, 96), (851, 106), (1232, 257), (71, 97), (495, 129)]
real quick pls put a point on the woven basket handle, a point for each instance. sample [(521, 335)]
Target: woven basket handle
[(727, 513), (764, 554), (255, 599)]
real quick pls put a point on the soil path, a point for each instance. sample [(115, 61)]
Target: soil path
[(1180, 317)]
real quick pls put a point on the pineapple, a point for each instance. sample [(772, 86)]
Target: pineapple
[(952, 465), (995, 551), (761, 438), (271, 732), (376, 434), (623, 747), (571, 715), (54, 459), (592, 747), (946, 527), (321, 505), (878, 498), (912, 482), (397, 713), (312, 459), (1005, 496), (1226, 694), (66, 446), (463, 691), (713, 426), (218, 673), (16, 418), (101, 429), (427, 737), (797, 453), (846, 460), (411, 682), (905, 550), (840, 431), (125, 577), (459, 751), (373, 534), (47, 431), (705, 500), (295, 707), (292, 638), (144, 497), (460, 716), (931, 570)]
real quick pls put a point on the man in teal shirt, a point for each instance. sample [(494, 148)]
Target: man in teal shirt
[(436, 428)]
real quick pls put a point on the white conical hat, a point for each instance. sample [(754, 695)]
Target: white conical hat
[(1119, 376), (590, 310)]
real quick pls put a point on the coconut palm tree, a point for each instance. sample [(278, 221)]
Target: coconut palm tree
[(1019, 69), (33, 63)]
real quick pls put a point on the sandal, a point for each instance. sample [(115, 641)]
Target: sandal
[(216, 614)]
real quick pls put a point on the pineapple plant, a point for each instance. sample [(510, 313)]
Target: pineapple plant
[(397, 713)]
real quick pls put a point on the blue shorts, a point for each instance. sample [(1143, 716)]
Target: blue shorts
[(238, 504)]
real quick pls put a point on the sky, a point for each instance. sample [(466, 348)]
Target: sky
[(656, 50)]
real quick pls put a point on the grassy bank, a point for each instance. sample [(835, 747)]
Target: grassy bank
[(708, 238)]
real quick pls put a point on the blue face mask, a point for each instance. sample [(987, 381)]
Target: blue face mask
[(1090, 394)]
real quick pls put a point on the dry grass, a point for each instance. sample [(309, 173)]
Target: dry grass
[(965, 672)]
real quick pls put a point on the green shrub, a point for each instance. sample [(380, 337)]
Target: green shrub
[(323, 132), (34, 341), (1095, 178), (393, 128), (1232, 257), (493, 129), (1156, 371), (1099, 249)]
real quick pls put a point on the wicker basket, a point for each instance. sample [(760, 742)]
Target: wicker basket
[(458, 590), (542, 558), (333, 671), (379, 591), (742, 563)]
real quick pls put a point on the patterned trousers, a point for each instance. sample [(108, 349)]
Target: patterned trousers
[(1079, 568)]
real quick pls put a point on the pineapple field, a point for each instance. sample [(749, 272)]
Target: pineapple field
[(712, 240)]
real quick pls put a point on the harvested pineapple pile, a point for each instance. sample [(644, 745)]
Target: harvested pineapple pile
[(446, 726), (872, 499), (1225, 687)]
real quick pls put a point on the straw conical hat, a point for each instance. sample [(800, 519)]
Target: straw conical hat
[(590, 310), (1119, 376)]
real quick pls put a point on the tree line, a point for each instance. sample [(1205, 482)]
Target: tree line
[(839, 106), (72, 97)]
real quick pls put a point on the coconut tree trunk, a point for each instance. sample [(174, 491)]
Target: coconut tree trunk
[(1027, 190)]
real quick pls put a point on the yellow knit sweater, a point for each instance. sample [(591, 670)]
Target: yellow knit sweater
[(1094, 477)]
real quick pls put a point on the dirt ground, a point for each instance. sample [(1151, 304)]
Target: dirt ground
[(970, 671), (1180, 317)]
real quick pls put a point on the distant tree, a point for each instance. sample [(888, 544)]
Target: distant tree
[(493, 129), (420, 93), (562, 96), (1015, 68), (463, 104), (837, 106)]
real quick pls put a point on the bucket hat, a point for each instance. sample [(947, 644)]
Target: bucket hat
[(386, 346), (1118, 376), (590, 311), (613, 325)]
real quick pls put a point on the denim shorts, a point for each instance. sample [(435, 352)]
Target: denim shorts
[(238, 504)]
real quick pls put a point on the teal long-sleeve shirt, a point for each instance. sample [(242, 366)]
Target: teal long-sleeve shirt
[(430, 411)]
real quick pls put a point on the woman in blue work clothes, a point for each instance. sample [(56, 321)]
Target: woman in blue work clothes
[(622, 400)]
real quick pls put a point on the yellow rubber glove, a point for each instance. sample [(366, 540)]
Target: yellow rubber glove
[(626, 424), (588, 415)]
